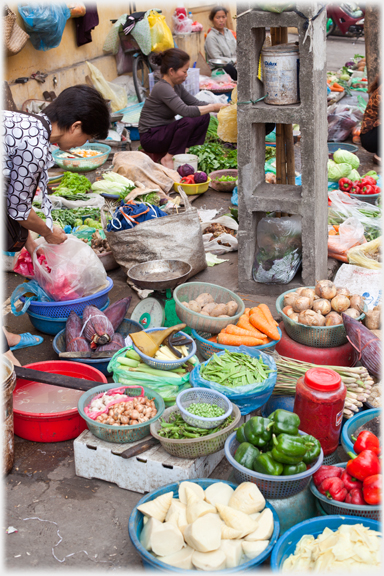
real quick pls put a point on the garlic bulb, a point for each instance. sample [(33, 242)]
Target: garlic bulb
[(340, 303), (322, 305), (301, 303), (325, 289)]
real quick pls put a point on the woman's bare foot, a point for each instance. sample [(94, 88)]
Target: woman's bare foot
[(376, 159), (167, 161)]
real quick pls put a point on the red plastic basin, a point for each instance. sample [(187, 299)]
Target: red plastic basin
[(55, 426)]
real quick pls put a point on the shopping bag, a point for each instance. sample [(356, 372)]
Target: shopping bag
[(32, 291), (113, 92), (161, 35)]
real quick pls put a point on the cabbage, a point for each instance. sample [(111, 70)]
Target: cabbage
[(200, 177), (354, 175), (337, 171), (185, 170), (342, 156)]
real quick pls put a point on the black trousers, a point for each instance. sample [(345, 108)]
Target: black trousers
[(231, 70), (371, 140)]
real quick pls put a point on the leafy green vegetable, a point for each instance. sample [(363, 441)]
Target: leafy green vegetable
[(337, 171), (343, 156), (75, 183), (151, 198), (270, 152), (226, 179), (213, 156)]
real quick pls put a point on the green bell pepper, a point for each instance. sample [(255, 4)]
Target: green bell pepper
[(285, 422), (289, 449), (265, 464), (258, 431), (290, 469), (240, 436), (246, 454), (313, 452)]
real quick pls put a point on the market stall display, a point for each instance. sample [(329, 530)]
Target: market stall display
[(362, 419), (223, 180)]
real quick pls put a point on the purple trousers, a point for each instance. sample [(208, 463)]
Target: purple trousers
[(174, 138)]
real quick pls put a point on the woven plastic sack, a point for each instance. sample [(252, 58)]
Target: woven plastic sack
[(366, 255), (227, 128), (113, 92), (75, 270), (247, 398), (45, 23), (161, 35), (32, 291)]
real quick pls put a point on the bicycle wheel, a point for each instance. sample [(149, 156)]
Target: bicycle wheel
[(140, 73)]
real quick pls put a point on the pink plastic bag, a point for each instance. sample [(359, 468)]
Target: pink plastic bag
[(24, 265), (95, 414)]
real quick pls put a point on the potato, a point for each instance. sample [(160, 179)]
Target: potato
[(232, 307), (204, 299), (208, 308), (186, 304), (219, 310), (224, 316), (194, 306)]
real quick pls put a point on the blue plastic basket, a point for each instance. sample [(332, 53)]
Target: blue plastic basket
[(163, 364), (286, 545), (52, 326), (206, 348), (193, 395), (63, 309), (353, 424), (135, 526), (274, 487), (126, 327), (334, 507)]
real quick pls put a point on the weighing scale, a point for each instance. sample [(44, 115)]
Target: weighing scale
[(161, 276)]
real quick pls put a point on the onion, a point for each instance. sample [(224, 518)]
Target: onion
[(287, 310), (311, 318), (352, 312), (343, 291), (368, 345), (322, 305), (325, 289), (298, 291), (340, 303), (357, 302), (294, 317), (308, 293), (301, 303), (333, 319), (290, 298)]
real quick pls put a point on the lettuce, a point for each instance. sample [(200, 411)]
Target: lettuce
[(337, 171), (345, 157)]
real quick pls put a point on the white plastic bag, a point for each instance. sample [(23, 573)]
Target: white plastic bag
[(211, 98), (113, 92), (95, 201), (212, 244), (74, 270), (366, 283)]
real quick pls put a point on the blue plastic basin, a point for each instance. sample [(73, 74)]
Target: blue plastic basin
[(353, 424)]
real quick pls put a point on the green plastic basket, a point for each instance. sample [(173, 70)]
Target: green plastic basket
[(316, 336), (83, 164), (119, 434), (190, 291)]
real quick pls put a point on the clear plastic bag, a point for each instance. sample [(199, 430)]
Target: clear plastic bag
[(341, 119), (113, 92), (351, 233), (343, 207), (161, 35), (367, 255), (227, 128), (75, 270), (181, 24), (45, 23), (278, 257), (32, 291)]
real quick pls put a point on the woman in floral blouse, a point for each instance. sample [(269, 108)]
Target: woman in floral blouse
[(370, 127)]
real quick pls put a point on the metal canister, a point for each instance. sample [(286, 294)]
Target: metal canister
[(280, 65), (9, 383)]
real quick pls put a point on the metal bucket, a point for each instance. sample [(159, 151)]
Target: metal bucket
[(9, 382), (281, 65)]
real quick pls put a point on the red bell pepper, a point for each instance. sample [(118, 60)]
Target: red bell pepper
[(368, 181), (349, 482), (364, 465), (355, 189), (345, 184), (355, 496), (326, 472), (377, 189), (188, 179), (367, 189), (334, 489), (372, 489), (366, 441)]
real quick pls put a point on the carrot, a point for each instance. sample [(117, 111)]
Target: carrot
[(267, 313), (274, 323), (213, 339), (236, 331), (247, 311), (246, 325), (231, 340), (335, 87), (257, 319)]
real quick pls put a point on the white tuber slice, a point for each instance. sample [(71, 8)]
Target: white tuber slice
[(264, 529), (177, 511), (181, 559), (209, 561), (204, 535), (247, 498), (158, 507), (195, 487), (219, 493), (228, 533), (254, 549), (166, 539), (237, 520), (233, 550), (147, 532), (175, 506), (197, 508)]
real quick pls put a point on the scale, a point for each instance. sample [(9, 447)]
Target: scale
[(161, 276)]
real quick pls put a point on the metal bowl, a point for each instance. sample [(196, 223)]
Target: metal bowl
[(159, 274), (218, 62)]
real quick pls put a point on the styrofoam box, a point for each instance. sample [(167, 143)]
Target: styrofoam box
[(148, 471), (191, 84)]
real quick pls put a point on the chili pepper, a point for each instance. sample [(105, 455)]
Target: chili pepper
[(240, 436), (345, 184), (290, 469), (355, 496), (284, 422), (368, 181), (366, 441), (245, 455), (258, 431), (364, 465), (313, 452), (334, 489), (366, 189), (289, 449), (265, 464), (326, 472), (372, 489), (349, 482)]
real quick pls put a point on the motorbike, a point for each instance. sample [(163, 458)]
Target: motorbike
[(348, 17)]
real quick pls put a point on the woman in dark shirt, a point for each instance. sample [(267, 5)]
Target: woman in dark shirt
[(370, 127), (159, 132)]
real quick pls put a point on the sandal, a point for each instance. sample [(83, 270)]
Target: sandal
[(27, 340)]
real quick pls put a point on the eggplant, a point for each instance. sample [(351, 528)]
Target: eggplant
[(365, 343)]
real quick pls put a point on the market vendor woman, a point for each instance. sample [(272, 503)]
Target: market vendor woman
[(221, 42), (78, 114), (159, 132)]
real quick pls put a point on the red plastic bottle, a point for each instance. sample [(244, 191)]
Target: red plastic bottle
[(319, 403)]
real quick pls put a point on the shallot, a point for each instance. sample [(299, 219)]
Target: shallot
[(325, 289)]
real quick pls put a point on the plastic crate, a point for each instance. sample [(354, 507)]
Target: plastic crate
[(197, 395), (191, 83), (206, 348), (163, 364), (272, 487)]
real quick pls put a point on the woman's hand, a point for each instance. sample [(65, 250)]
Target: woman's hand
[(218, 106), (57, 236)]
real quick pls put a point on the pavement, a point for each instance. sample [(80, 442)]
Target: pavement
[(64, 521)]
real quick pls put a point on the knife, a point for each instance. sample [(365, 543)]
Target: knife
[(140, 448), (89, 354), (55, 379)]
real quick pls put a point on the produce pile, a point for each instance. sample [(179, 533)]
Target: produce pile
[(113, 183), (343, 80), (116, 409), (177, 429), (343, 169), (360, 482), (208, 530), (341, 207), (205, 304), (83, 152), (132, 362), (189, 176), (216, 230), (73, 187), (273, 445), (233, 369)]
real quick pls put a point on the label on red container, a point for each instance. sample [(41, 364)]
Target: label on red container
[(339, 418)]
